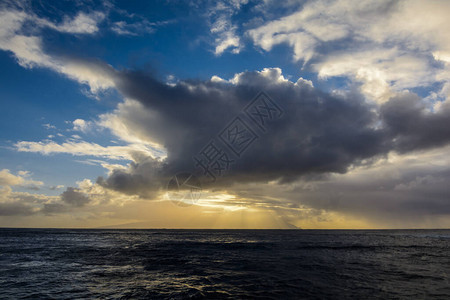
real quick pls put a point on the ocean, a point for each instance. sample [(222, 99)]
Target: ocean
[(224, 264)]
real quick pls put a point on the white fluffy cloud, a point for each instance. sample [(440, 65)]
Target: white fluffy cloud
[(29, 50), (123, 123), (81, 125), (222, 28), (82, 23), (389, 46), (6, 178), (83, 148), (19, 203), (22, 179)]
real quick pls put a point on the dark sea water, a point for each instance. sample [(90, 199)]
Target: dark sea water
[(217, 264)]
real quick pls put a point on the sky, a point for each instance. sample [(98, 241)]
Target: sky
[(225, 114)]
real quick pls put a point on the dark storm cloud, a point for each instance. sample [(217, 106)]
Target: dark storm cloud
[(74, 197), (143, 177), (413, 126), (318, 133)]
